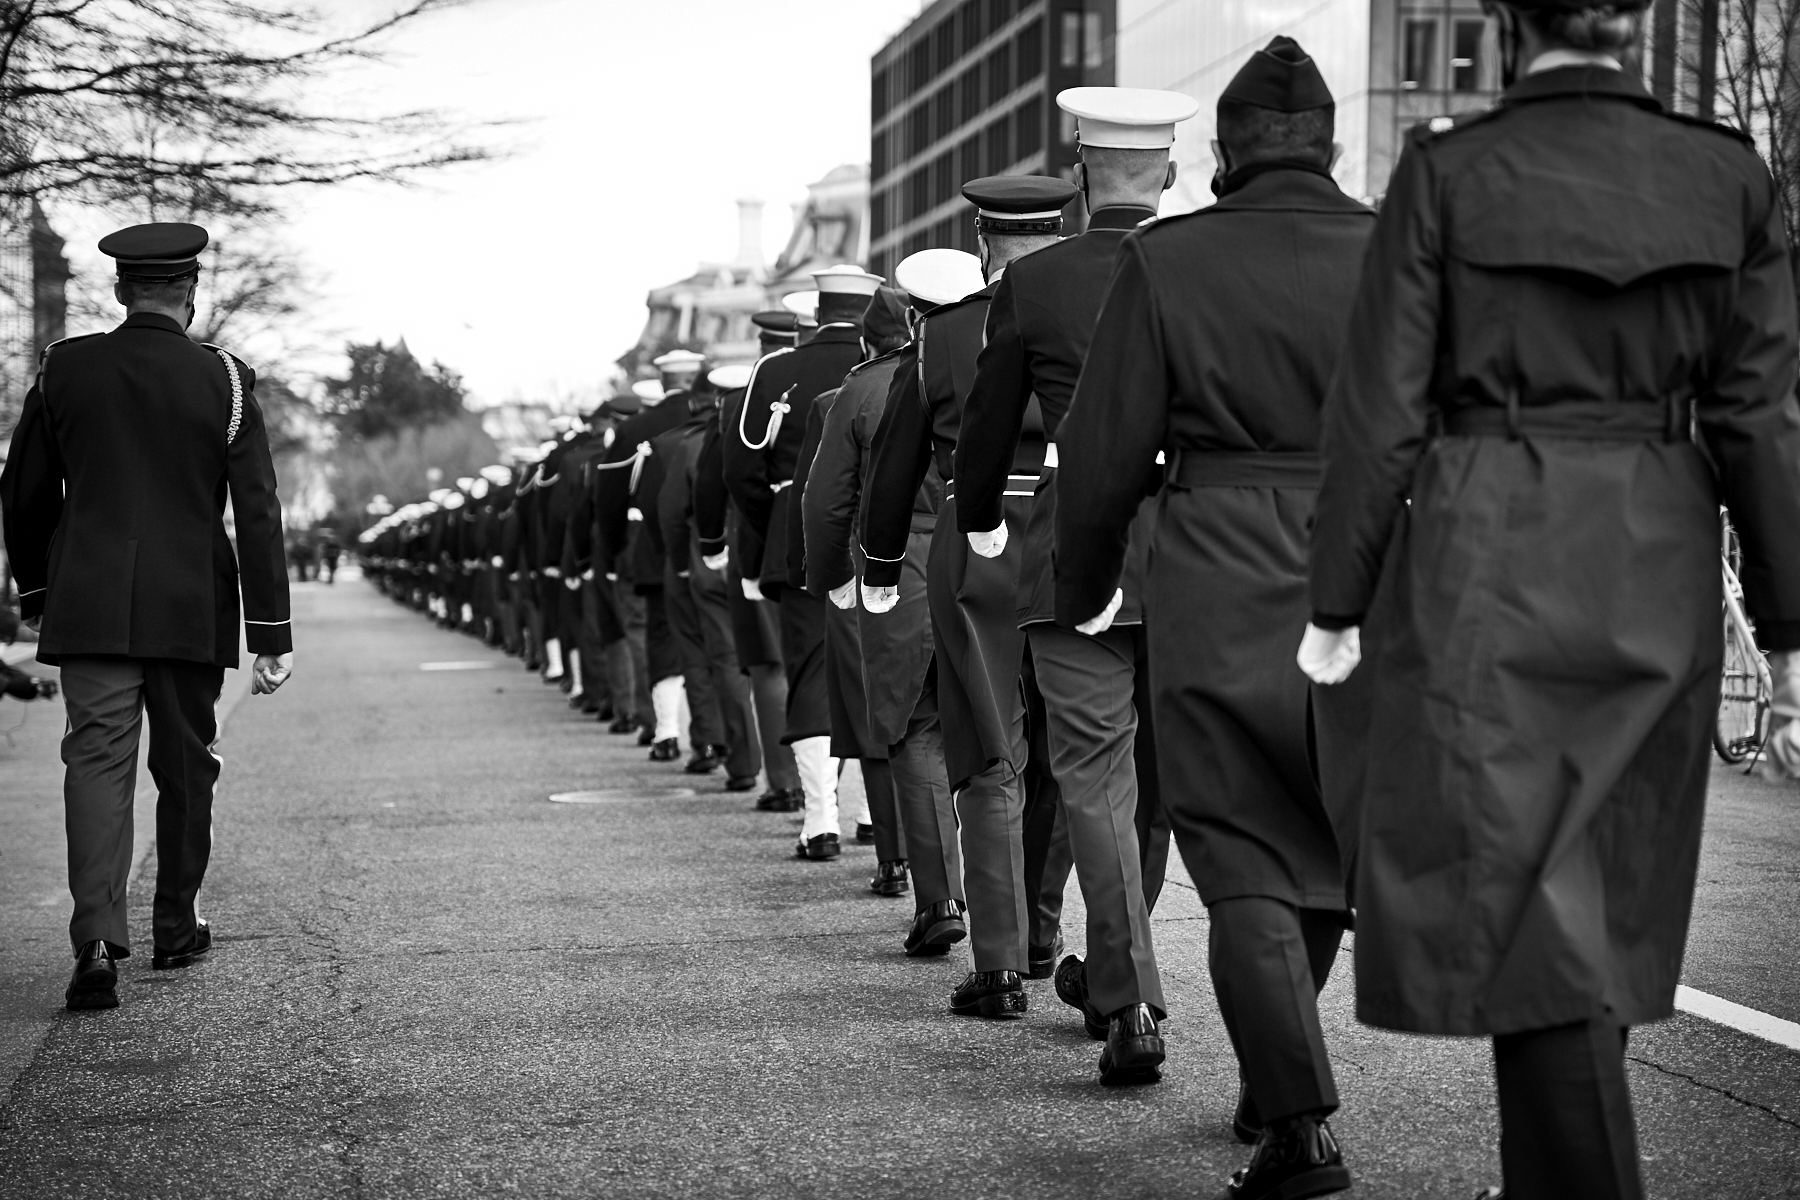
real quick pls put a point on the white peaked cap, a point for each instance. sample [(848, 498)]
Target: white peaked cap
[(802, 304), (847, 279), (453, 501), (497, 474), (729, 378), (648, 389), (479, 488), (678, 360), (939, 276), (1123, 118), (465, 482)]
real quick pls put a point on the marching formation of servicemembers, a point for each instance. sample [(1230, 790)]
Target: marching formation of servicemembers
[(1035, 536)]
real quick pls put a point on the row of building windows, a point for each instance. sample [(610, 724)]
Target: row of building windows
[(933, 54), (985, 82), (1422, 68), (988, 151), (954, 232)]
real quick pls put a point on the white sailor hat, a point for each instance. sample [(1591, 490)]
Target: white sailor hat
[(804, 305), (729, 378), (847, 279), (648, 390), (934, 277), (678, 360), (497, 474), (465, 482), (453, 501), (1123, 118), (437, 495)]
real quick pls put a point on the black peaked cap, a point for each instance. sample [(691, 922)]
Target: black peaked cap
[(163, 249), (1019, 193), (1281, 76), (776, 321)]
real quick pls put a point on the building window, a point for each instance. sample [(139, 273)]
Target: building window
[(968, 26), (1419, 49), (968, 93), (878, 163), (878, 95), (999, 13), (944, 234), (1093, 56), (918, 199), (1465, 61), (878, 213), (918, 129), (999, 146), (1031, 51), (944, 185), (999, 73), (1070, 55), (943, 47), (918, 66), (945, 121), (969, 159), (916, 242), (1028, 131)]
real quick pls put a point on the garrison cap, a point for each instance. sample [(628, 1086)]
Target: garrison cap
[(1018, 203), (934, 277), (846, 279), (730, 377), (1281, 76), (1124, 118), (676, 361), (162, 250)]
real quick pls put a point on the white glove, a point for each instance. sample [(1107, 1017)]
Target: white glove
[(588, 574), (1103, 622), (573, 583), (990, 544), (498, 561), (634, 513), (1329, 655), (1781, 751), (752, 590), (880, 599), (844, 597), (716, 562)]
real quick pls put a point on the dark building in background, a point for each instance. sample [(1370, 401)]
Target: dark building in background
[(969, 89)]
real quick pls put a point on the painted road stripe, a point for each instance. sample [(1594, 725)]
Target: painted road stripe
[(1736, 1016), (457, 666)]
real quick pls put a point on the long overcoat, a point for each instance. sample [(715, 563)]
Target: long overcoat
[(1574, 339)]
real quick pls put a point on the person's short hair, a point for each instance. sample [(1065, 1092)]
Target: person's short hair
[(1602, 28), (1138, 169), (841, 306), (1251, 133), (164, 293)]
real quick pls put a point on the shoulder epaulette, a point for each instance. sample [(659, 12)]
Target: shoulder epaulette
[(878, 359), (971, 298), (80, 337), (1427, 132), (232, 363), (1730, 131)]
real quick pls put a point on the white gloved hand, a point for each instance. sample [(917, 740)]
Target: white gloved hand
[(880, 599), (716, 562), (1781, 750), (990, 544), (844, 597), (573, 583), (1103, 622), (752, 590), (1329, 655)]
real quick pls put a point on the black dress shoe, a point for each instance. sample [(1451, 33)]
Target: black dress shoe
[(781, 800), (95, 983), (1491, 1193), (740, 783), (174, 960), (706, 760), (1071, 989), (1134, 1047), (621, 725), (935, 929), (890, 878), (999, 994), (1041, 960), (1296, 1157), (1246, 1122), (646, 733), (818, 847), (865, 833), (667, 750)]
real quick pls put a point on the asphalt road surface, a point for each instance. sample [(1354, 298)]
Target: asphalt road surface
[(431, 980)]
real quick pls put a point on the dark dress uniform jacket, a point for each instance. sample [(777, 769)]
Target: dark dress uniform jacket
[(1039, 326), (759, 476), (114, 496), (1542, 628), (1216, 345), (616, 493)]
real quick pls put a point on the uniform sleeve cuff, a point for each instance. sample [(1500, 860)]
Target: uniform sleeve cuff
[(882, 574), (1332, 624), (262, 637)]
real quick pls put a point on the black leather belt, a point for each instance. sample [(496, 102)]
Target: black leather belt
[(1588, 420), (1244, 468)]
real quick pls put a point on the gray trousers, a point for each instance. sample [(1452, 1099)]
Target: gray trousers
[(990, 811), (106, 699), (1091, 724), (768, 684), (927, 814), (1269, 962)]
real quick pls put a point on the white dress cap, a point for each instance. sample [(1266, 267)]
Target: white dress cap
[(847, 279), (437, 494), (933, 277), (497, 474), (679, 360), (648, 389), (1125, 118), (802, 304), (729, 378)]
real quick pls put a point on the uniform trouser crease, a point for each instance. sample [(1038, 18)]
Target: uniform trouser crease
[(1566, 1127)]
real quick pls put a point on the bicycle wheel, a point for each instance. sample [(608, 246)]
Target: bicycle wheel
[(1743, 716)]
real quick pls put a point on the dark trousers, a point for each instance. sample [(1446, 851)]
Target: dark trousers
[(661, 651), (707, 726), (1566, 1129), (803, 657), (731, 685), (106, 699), (927, 813), (1092, 725), (990, 811), (1269, 961), (631, 668), (1048, 858)]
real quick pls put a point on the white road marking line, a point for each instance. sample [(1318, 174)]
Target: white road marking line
[(457, 666), (1736, 1016)]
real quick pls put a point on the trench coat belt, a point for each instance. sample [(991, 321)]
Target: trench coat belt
[(1244, 468), (1670, 420)]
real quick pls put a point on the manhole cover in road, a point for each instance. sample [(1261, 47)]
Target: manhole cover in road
[(611, 795)]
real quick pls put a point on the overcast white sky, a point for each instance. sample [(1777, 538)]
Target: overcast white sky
[(643, 121)]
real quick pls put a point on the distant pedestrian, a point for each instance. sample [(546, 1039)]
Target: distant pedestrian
[(113, 504)]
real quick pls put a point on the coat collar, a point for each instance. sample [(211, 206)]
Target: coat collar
[(837, 331), (150, 320), (1584, 80), (1119, 216), (1282, 187)]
